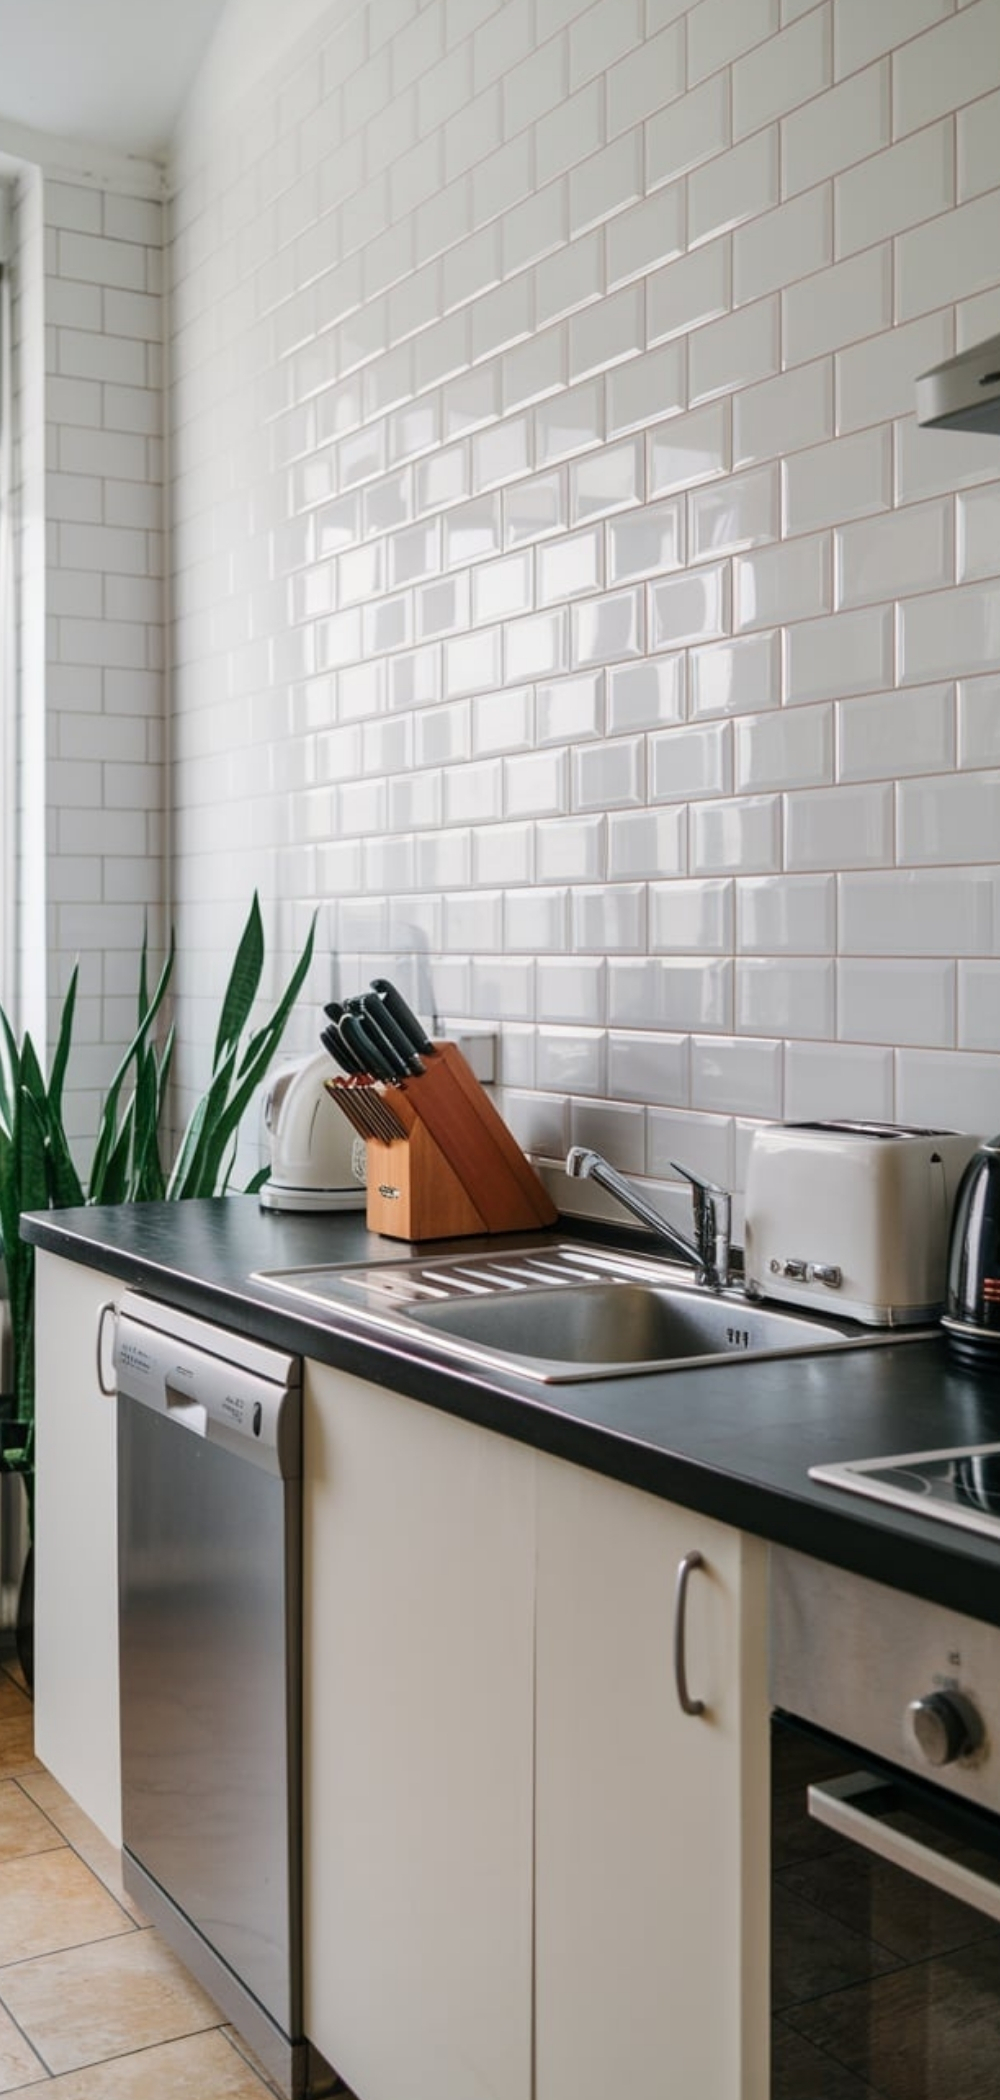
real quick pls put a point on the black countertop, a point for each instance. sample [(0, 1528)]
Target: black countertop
[(733, 1440)]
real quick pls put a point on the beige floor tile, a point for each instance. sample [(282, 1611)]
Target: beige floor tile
[(201, 2067), (19, 2066), (84, 1836), (50, 1901), (23, 1827), (17, 1744), (89, 2003)]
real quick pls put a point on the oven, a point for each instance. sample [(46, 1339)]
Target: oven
[(885, 1842)]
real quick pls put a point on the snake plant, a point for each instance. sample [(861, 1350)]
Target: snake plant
[(37, 1171)]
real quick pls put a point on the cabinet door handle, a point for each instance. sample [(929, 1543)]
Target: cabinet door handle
[(685, 1570), (110, 1391)]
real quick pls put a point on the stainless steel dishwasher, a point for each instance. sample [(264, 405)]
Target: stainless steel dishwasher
[(209, 1561)]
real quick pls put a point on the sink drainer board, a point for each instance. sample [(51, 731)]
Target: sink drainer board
[(562, 1312)]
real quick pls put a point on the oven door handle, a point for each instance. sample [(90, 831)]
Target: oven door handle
[(840, 1804)]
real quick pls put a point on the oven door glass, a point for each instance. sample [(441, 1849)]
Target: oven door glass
[(886, 1934)]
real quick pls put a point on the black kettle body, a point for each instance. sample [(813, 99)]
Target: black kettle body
[(972, 1318)]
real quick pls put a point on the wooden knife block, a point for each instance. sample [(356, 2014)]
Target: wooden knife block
[(458, 1173)]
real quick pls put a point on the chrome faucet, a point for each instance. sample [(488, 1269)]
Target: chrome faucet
[(709, 1251)]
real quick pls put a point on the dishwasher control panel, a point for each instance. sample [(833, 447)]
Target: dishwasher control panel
[(214, 1383)]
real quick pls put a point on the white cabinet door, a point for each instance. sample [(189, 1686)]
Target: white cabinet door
[(652, 1825), (76, 1542), (419, 1575)]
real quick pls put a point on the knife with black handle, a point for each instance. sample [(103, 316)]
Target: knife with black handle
[(376, 1013), (398, 1011), (360, 1039), (333, 1042)]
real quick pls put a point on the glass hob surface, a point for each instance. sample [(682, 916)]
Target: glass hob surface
[(959, 1486)]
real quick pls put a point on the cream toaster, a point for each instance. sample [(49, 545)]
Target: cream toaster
[(852, 1218)]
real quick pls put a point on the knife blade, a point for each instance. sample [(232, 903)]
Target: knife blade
[(375, 1010), (396, 1007)]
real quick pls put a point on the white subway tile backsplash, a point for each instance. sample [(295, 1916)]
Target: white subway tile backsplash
[(643, 695), (609, 775), (735, 351), (979, 1005), (950, 819), (784, 414), (694, 289), (729, 517), (929, 1082), (689, 608), (688, 763), (490, 356), (789, 748), (838, 306), (911, 550), (783, 245), (949, 632), (979, 722), (785, 583), (645, 542), (978, 514), (736, 677), (826, 659), (839, 1080), (645, 388), (958, 61), (846, 479), (786, 914), (719, 33), (837, 129), (679, 994), (688, 450), (737, 1075), (691, 917), (728, 838), (896, 733), (645, 1067), (647, 842), (787, 996), (906, 1001), (941, 911), (690, 130), (782, 72), (843, 827)]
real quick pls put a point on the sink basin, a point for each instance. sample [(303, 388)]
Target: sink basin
[(615, 1325), (557, 1313)]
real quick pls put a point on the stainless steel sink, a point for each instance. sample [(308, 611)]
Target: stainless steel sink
[(561, 1312)]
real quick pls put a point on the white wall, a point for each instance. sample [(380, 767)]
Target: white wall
[(560, 581), (104, 824)]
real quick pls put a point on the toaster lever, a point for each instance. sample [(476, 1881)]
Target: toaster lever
[(810, 1272)]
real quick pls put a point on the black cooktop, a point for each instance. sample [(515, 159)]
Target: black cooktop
[(960, 1486)]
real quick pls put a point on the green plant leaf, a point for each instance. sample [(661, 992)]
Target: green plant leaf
[(244, 979), (63, 1044)]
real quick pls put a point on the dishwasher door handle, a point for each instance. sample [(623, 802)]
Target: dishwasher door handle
[(188, 1413)]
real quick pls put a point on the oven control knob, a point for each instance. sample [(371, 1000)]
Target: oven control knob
[(943, 1726)]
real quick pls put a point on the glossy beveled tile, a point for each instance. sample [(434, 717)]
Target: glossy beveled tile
[(50, 1901), (199, 2067), (103, 1858), (82, 2005), (23, 1827), (19, 2066)]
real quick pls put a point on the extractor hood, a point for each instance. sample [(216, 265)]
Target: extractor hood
[(964, 392)]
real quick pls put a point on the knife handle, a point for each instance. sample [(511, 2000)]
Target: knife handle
[(360, 1041), (333, 1042), (375, 1011), (398, 1011)]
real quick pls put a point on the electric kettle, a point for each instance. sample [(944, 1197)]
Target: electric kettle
[(972, 1317)]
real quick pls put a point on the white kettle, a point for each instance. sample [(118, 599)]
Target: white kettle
[(317, 1162)]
